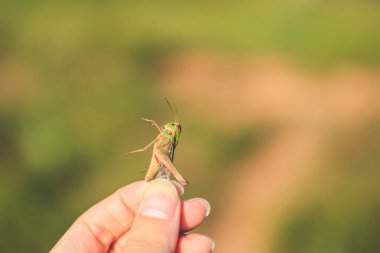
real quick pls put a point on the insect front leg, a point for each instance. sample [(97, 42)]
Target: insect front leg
[(142, 149), (153, 123)]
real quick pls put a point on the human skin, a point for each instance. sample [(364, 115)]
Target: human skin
[(141, 218)]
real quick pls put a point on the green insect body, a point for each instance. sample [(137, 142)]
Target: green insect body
[(161, 164)]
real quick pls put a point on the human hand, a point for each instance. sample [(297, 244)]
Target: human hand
[(140, 217)]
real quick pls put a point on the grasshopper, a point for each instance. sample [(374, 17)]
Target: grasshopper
[(161, 164)]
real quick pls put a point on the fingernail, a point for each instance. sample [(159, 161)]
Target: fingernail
[(204, 237), (179, 187), (206, 204), (212, 245), (160, 200)]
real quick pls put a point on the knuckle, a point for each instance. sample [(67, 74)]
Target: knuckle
[(147, 241), (99, 232)]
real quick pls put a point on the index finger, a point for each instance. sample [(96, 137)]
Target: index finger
[(102, 224)]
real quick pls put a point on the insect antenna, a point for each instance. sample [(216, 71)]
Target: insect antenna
[(171, 109), (176, 114), (170, 106)]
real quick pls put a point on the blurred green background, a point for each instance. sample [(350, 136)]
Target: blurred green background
[(279, 103)]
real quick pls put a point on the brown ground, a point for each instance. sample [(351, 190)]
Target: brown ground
[(257, 90)]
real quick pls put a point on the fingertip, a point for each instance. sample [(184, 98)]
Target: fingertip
[(132, 187), (179, 187), (132, 194), (162, 184), (206, 205), (189, 243), (160, 200), (193, 213)]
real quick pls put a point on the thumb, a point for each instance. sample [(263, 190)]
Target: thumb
[(156, 226)]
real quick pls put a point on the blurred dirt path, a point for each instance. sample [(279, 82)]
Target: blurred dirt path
[(266, 184), (304, 106)]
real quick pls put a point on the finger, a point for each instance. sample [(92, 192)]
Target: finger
[(97, 228), (193, 212), (179, 187), (156, 226), (195, 243)]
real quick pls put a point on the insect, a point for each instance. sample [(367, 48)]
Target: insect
[(161, 164)]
